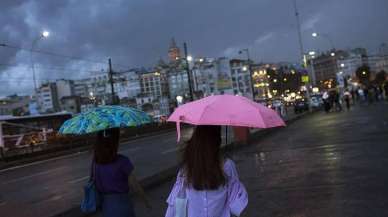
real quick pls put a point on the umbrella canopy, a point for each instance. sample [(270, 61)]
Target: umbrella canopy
[(226, 110), (104, 117)]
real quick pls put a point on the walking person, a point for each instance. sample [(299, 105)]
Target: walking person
[(338, 106), (326, 102), (347, 96), (386, 90), (113, 175), (361, 95), (208, 180)]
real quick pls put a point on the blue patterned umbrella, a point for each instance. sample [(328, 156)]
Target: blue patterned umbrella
[(104, 117)]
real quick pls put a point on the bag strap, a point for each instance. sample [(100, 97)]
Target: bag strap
[(92, 176), (182, 190)]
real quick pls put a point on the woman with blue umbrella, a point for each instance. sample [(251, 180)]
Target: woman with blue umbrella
[(111, 174)]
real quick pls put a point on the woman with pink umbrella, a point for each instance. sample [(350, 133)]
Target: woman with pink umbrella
[(207, 183)]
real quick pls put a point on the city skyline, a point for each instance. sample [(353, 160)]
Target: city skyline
[(270, 34)]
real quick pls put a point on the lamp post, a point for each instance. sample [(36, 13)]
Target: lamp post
[(44, 34), (301, 49), (188, 59), (311, 60), (246, 50)]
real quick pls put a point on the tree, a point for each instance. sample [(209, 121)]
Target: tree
[(147, 107), (380, 78), (363, 74)]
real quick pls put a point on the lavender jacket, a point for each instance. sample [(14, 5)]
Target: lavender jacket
[(226, 200)]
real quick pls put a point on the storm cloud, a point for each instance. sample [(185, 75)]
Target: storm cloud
[(137, 33)]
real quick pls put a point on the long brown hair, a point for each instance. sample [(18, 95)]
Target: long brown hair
[(202, 159), (106, 146)]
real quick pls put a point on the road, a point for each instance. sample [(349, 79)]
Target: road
[(324, 165), (53, 186), (46, 187)]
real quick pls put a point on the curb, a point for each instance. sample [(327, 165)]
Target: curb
[(169, 173)]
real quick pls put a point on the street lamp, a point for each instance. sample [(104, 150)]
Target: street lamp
[(332, 54), (44, 34), (325, 36), (179, 99), (188, 71)]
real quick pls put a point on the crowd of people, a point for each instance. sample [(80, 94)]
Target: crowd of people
[(364, 95)]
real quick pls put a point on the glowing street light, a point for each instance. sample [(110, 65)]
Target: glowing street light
[(312, 53), (45, 34), (314, 34), (332, 54), (245, 68), (342, 65), (179, 99), (189, 58)]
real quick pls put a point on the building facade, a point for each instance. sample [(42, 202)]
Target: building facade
[(48, 101), (64, 88), (378, 63), (14, 105), (80, 87), (240, 74), (178, 83), (153, 84)]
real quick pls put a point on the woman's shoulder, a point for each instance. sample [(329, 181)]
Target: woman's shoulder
[(229, 167), (122, 158)]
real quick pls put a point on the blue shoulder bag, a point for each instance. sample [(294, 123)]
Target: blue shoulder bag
[(91, 200)]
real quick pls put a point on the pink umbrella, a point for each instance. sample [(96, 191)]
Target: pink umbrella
[(226, 110)]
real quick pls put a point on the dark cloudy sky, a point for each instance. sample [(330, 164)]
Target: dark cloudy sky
[(137, 32)]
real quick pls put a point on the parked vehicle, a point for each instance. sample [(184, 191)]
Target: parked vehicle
[(301, 106)]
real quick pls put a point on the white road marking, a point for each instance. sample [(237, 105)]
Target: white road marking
[(130, 149), (31, 176), (78, 180), (41, 162), (170, 150)]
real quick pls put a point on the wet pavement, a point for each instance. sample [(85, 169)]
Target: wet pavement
[(321, 165)]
